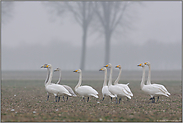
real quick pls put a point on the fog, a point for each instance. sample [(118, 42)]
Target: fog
[(33, 37), (163, 56)]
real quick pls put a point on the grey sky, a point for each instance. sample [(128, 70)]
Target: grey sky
[(32, 28)]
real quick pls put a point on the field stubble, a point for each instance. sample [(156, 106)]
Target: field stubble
[(25, 100)]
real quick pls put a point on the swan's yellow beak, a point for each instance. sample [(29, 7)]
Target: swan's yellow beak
[(75, 71), (117, 66), (46, 66), (101, 69), (139, 65), (106, 65)]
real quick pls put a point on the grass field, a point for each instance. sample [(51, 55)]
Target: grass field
[(25, 100)]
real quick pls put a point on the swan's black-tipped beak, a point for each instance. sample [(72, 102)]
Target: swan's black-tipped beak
[(139, 65), (106, 65), (42, 66), (75, 71)]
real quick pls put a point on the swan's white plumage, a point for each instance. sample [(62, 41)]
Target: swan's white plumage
[(105, 90), (115, 89), (151, 89), (84, 90), (65, 86), (125, 86), (55, 89), (161, 87)]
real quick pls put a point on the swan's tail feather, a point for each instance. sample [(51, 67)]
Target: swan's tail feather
[(96, 96), (127, 84)]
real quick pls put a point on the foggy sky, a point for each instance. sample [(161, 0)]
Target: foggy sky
[(32, 39)]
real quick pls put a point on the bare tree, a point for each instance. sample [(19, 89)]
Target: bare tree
[(83, 13), (7, 8), (111, 15)]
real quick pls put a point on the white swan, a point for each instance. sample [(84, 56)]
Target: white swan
[(149, 80), (105, 90), (122, 85), (84, 90), (55, 89), (65, 86), (114, 89), (151, 89)]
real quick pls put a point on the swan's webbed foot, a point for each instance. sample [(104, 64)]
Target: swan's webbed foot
[(119, 100), (67, 98), (103, 99), (116, 100), (47, 97), (158, 99), (63, 99), (58, 98), (153, 100), (88, 99)]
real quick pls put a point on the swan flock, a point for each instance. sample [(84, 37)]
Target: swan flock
[(112, 90)]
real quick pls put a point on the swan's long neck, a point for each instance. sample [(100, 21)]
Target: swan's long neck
[(50, 76), (117, 80), (48, 72), (59, 77), (143, 78), (110, 77), (105, 78), (80, 80), (149, 76)]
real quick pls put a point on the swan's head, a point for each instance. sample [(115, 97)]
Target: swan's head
[(142, 65), (147, 63), (77, 71), (118, 66), (46, 66), (108, 65), (103, 69), (58, 69)]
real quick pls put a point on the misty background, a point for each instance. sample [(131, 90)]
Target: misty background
[(35, 33)]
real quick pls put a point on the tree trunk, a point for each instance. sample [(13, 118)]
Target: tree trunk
[(107, 47), (83, 52)]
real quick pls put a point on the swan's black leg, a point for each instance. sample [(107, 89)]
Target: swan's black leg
[(111, 99), (67, 98), (119, 100), (47, 97), (58, 98), (127, 99), (158, 99), (153, 100), (63, 99), (84, 99), (88, 99), (116, 100), (103, 99)]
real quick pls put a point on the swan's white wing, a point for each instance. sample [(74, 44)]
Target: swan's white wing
[(119, 91), (70, 90), (86, 91), (59, 89), (162, 88), (125, 86), (153, 90)]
